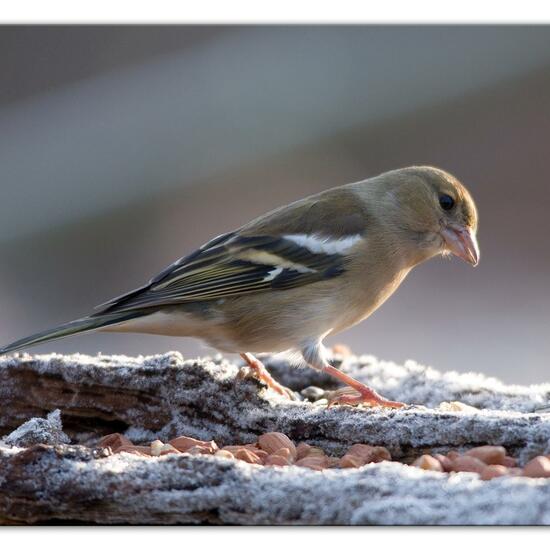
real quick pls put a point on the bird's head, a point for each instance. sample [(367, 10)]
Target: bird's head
[(435, 212)]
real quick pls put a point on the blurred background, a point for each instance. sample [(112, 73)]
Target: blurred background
[(123, 148)]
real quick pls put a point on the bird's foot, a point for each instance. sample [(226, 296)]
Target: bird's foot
[(361, 396), (257, 370), (357, 393)]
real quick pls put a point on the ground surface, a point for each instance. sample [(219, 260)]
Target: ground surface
[(50, 471)]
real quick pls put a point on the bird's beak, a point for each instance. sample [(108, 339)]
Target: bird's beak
[(461, 242)]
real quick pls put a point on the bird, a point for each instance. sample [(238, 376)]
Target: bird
[(288, 279)]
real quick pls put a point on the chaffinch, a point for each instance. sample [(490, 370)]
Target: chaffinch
[(304, 271)]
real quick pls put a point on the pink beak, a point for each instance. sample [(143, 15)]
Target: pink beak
[(461, 242)]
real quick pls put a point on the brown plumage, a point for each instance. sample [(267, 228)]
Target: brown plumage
[(288, 279)]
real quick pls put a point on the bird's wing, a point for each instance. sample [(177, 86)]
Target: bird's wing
[(256, 258)]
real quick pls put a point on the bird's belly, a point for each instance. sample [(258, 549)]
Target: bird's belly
[(285, 321), (179, 322), (169, 323)]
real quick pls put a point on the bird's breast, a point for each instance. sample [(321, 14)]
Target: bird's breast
[(364, 299)]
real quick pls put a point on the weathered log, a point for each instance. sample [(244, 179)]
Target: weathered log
[(164, 396), (74, 484)]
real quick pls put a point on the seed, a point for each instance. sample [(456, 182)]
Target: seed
[(316, 451), (538, 467), (223, 454), (276, 460), (494, 470), (248, 456), (468, 464), (233, 448), (273, 441), (490, 454), (284, 452), (427, 462), (156, 447), (302, 450), (183, 443), (509, 462), (313, 462), (114, 441), (197, 450), (351, 461), (262, 455), (368, 453), (515, 471), (168, 449), (445, 462), (134, 450)]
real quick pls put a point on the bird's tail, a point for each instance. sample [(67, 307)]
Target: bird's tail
[(86, 324)]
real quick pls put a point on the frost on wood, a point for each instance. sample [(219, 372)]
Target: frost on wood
[(38, 430), (164, 396), (205, 489)]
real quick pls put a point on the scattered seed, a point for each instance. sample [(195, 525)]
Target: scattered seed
[(197, 450), (490, 454), (276, 460), (273, 441), (351, 461), (134, 450), (114, 441), (156, 447), (276, 449), (284, 452), (262, 455), (302, 450), (233, 448), (223, 454), (313, 462), (368, 453), (184, 443), (538, 467), (168, 449), (427, 462), (468, 464), (248, 456), (509, 462), (494, 470), (316, 451), (445, 462)]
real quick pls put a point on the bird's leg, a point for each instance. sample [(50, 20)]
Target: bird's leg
[(261, 373), (315, 355)]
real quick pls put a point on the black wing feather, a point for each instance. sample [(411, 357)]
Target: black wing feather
[(232, 265)]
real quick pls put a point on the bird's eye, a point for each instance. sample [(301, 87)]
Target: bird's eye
[(446, 202)]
